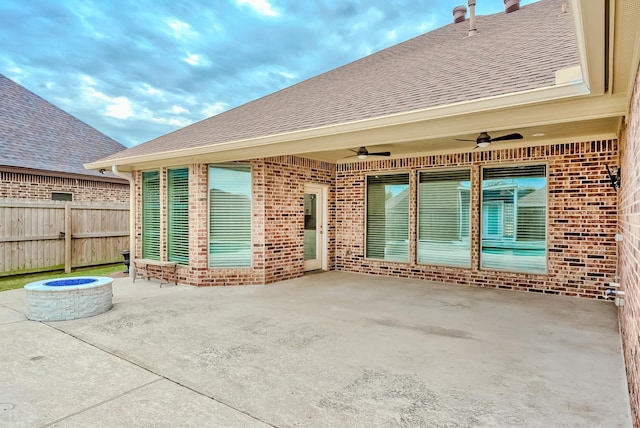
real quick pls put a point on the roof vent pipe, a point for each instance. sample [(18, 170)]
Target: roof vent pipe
[(511, 5), (459, 13), (472, 18)]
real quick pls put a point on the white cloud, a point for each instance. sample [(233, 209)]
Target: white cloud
[(150, 90), (287, 75), (178, 122), (116, 107), (260, 6), (213, 109), (192, 59), (181, 29), (120, 108), (16, 70), (392, 35), (88, 80), (179, 109)]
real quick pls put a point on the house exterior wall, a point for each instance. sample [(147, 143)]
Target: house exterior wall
[(283, 190), (277, 227), (629, 206), (581, 226), (30, 186)]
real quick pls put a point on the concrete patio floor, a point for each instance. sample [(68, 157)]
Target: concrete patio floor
[(331, 349)]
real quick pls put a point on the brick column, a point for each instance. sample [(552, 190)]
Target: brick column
[(198, 222)]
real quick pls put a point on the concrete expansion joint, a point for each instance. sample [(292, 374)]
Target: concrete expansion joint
[(101, 402), (148, 369)]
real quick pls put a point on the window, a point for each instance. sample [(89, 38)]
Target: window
[(230, 216), (178, 215), (443, 218), (61, 196), (387, 223), (514, 211), (151, 215)]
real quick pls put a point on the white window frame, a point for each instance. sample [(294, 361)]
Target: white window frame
[(366, 215), (209, 257), (546, 219), (470, 215)]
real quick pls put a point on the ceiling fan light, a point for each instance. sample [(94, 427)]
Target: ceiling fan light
[(484, 144), (362, 156)]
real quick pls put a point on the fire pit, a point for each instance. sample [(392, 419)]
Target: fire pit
[(68, 298)]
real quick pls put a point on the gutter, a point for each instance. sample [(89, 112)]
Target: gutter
[(132, 212)]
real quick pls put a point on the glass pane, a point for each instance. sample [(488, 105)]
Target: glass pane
[(178, 215), (444, 235), (230, 216), (310, 229), (514, 210), (151, 215), (388, 217)]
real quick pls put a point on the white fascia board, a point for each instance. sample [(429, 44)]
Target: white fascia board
[(589, 23)]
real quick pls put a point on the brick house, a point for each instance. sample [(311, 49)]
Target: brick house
[(43, 150), (538, 213)]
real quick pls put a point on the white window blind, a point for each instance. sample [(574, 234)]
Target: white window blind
[(151, 215), (230, 216), (387, 234), (514, 211), (444, 234), (178, 215)]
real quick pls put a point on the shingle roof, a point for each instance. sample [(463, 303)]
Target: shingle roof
[(510, 53), (35, 134)]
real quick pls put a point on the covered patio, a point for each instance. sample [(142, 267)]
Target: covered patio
[(329, 349)]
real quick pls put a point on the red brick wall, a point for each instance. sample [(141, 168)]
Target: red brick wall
[(30, 186), (278, 221), (283, 189), (629, 220), (581, 227), (581, 219)]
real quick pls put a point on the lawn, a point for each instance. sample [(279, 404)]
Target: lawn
[(19, 281)]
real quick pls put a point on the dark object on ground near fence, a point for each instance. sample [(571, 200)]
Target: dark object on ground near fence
[(127, 260)]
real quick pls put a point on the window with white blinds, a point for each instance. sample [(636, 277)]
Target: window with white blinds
[(444, 220), (178, 215), (387, 223), (230, 216), (513, 220), (151, 215)]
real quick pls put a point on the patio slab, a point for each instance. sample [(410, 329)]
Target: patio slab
[(334, 349)]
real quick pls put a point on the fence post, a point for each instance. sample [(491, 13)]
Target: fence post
[(67, 237)]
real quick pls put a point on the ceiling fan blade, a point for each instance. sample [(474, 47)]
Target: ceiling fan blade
[(380, 154), (515, 136), (460, 139)]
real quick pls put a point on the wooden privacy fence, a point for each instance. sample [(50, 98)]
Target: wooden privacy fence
[(42, 236)]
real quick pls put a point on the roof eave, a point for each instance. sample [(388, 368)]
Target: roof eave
[(48, 173), (592, 43), (465, 108)]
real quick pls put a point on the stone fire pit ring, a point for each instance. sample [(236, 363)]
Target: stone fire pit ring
[(68, 298)]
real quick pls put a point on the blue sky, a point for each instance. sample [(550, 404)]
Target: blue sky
[(139, 69)]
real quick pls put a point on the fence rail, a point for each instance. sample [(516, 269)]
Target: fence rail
[(41, 236)]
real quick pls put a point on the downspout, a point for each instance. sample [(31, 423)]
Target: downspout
[(132, 211)]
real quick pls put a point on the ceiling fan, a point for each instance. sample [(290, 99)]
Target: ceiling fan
[(484, 139), (363, 153)]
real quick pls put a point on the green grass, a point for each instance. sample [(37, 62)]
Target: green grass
[(19, 281)]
